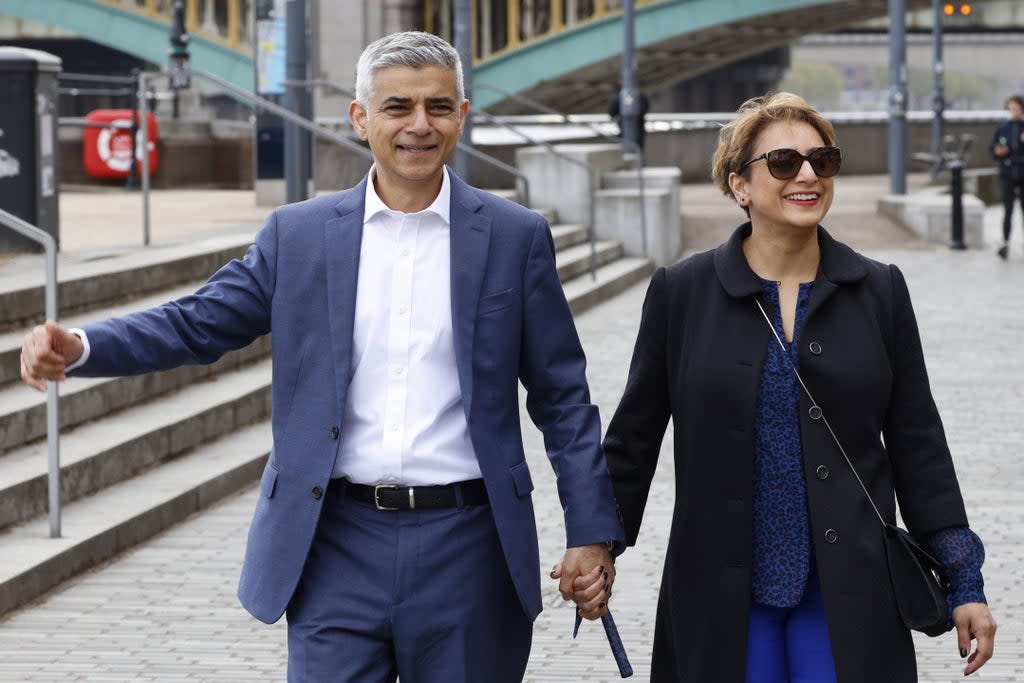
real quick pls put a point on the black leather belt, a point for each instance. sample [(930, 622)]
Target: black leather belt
[(392, 497)]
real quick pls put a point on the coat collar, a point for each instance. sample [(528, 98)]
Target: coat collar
[(839, 264)]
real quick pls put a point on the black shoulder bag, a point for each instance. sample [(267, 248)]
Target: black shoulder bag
[(916, 579)]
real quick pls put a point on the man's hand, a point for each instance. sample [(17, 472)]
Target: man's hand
[(973, 619), (45, 352), (586, 575)]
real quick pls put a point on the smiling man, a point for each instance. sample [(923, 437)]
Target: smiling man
[(394, 525)]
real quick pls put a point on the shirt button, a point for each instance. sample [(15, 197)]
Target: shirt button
[(334, 432), (815, 348), (821, 472), (404, 252), (317, 492), (402, 311), (815, 413), (394, 428), (831, 536), (398, 371)]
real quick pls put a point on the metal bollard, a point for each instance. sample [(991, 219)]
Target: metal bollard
[(956, 191)]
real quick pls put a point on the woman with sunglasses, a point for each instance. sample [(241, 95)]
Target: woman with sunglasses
[(775, 570)]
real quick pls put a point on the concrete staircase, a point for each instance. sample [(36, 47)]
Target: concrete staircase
[(139, 454)]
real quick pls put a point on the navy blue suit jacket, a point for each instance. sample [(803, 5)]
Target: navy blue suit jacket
[(298, 282)]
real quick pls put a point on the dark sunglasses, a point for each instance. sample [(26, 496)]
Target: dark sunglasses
[(784, 164)]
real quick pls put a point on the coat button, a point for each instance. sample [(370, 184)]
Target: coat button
[(831, 536), (815, 348), (334, 432), (821, 472), (317, 492), (815, 413)]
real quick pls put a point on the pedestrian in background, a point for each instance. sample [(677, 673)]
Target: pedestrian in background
[(394, 525), (776, 569), (1008, 150)]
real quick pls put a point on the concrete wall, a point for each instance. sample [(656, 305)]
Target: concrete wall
[(340, 31)]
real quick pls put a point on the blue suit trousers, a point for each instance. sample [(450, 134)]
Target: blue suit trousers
[(424, 595)]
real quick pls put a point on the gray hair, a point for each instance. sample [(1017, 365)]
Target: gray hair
[(414, 49)]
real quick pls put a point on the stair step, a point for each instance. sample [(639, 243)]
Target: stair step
[(87, 284), (567, 234), (10, 342), (585, 292), (107, 451), (113, 519), (23, 411), (575, 260)]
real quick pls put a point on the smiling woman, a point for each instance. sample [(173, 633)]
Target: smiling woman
[(772, 534)]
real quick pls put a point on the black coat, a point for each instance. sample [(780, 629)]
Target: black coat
[(698, 360)]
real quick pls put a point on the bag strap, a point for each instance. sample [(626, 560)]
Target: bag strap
[(814, 404)]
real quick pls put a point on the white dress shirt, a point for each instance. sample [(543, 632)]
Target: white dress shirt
[(404, 419)]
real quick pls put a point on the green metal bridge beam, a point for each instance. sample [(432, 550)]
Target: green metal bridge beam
[(591, 42), (133, 33)]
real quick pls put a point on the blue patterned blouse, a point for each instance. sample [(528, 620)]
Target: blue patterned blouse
[(782, 539)]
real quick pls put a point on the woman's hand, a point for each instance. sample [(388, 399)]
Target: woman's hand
[(973, 619)]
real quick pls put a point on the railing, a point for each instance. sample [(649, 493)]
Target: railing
[(224, 21), (522, 182), (499, 26), (144, 83), (49, 244), (565, 118)]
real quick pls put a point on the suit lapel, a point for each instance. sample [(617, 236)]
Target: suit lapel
[(470, 237), (343, 238)]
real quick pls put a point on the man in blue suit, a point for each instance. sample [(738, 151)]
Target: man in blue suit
[(394, 524)]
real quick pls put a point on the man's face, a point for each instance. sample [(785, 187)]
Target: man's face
[(412, 123)]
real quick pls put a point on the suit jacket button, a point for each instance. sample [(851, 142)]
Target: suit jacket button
[(821, 472), (815, 348), (815, 413), (831, 536), (334, 432), (317, 492)]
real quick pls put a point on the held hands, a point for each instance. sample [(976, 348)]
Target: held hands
[(973, 619), (1000, 150), (45, 352), (585, 575)]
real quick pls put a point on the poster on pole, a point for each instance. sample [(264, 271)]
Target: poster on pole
[(271, 34)]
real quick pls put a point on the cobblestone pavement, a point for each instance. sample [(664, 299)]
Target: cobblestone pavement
[(167, 611)]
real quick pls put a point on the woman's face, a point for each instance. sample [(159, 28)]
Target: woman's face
[(1014, 109), (799, 202)]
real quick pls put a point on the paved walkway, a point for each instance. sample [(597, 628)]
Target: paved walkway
[(166, 611)]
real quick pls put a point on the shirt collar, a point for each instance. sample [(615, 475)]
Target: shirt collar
[(441, 206)]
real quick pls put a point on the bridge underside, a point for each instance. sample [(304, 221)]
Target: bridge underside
[(665, 62)]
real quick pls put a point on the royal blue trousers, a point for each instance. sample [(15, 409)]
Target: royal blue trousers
[(791, 644), (424, 595)]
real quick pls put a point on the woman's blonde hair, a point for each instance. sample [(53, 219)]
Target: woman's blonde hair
[(736, 139)]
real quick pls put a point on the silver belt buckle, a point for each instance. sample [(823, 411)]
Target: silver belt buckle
[(376, 495)]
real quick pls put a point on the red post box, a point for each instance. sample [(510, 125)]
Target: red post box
[(107, 151)]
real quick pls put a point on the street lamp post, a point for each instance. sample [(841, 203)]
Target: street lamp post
[(938, 80), (296, 140), (463, 36), (629, 95), (897, 97)]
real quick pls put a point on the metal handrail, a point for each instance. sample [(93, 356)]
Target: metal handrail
[(591, 180), (636, 148), (243, 95), (49, 244), (522, 182)]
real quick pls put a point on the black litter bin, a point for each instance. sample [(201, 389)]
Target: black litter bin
[(28, 143)]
